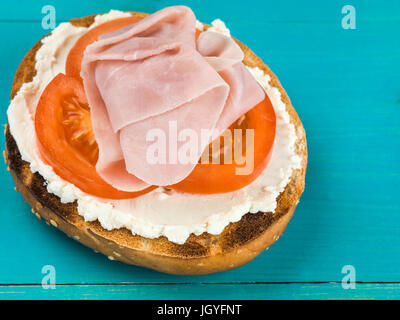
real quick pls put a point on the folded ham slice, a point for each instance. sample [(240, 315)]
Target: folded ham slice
[(153, 75)]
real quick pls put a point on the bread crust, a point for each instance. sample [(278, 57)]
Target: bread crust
[(239, 242)]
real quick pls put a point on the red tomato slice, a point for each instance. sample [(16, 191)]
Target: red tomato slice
[(74, 59), (66, 140), (209, 178)]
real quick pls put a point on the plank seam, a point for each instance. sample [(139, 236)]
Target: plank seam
[(193, 283)]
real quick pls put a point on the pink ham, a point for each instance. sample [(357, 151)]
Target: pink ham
[(151, 75)]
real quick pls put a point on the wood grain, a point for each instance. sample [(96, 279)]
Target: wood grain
[(261, 291)]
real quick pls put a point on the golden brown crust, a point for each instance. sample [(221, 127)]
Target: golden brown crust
[(239, 242)]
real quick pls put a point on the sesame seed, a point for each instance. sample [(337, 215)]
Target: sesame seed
[(5, 156)]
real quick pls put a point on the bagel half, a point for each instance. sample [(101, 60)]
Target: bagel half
[(239, 242)]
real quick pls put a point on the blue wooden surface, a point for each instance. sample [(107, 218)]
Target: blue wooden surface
[(345, 85)]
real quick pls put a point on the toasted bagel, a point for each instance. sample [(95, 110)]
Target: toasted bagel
[(239, 242)]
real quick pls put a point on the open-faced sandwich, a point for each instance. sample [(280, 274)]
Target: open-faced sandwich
[(157, 140)]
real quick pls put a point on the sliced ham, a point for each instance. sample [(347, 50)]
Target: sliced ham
[(152, 75)]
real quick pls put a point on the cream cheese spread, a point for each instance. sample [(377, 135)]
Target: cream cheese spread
[(161, 212)]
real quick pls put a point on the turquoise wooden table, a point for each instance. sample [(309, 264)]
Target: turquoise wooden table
[(345, 85)]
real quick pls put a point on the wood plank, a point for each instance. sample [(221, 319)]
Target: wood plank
[(288, 11), (343, 83), (292, 291)]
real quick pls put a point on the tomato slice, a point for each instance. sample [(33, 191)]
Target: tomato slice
[(66, 140), (74, 59), (221, 177)]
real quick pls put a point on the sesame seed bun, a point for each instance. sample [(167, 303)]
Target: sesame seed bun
[(239, 242)]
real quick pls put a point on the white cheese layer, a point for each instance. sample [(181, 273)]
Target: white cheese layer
[(160, 212)]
